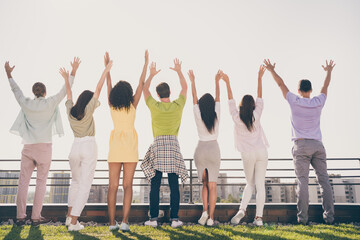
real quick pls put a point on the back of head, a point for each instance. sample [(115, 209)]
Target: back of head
[(39, 89), (78, 110), (163, 90), (247, 107), (121, 96), (207, 110), (305, 85)]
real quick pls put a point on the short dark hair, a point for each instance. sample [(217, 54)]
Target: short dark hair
[(163, 90), (305, 85), (39, 89)]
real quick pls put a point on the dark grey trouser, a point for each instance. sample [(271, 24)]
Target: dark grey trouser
[(306, 152)]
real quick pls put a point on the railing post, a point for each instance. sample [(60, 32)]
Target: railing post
[(191, 186)]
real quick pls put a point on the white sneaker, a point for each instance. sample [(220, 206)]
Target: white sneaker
[(239, 215), (203, 218), (151, 223), (68, 221), (258, 221), (177, 223), (210, 222), (124, 227), (114, 227), (76, 227)]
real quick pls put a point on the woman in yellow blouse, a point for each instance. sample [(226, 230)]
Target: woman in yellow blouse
[(123, 146)]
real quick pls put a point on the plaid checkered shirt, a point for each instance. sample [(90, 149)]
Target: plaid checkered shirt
[(164, 155)]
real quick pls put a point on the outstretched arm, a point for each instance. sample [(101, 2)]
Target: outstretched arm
[(177, 68), (153, 72), (227, 81), (102, 80), (20, 98), (193, 88), (141, 81), (260, 75), (62, 93), (108, 77), (217, 85), (271, 68), (328, 69), (65, 75)]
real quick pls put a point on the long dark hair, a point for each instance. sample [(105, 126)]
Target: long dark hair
[(207, 110), (121, 96), (78, 110), (247, 107)]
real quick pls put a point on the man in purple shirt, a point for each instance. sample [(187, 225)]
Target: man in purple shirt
[(308, 148)]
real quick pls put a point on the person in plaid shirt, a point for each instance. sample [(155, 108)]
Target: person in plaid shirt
[(164, 154)]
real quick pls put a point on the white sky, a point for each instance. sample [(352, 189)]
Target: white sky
[(39, 37)]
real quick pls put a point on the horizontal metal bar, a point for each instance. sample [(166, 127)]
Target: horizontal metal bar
[(198, 184), (188, 159)]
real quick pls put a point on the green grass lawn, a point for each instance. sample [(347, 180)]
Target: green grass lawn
[(338, 232)]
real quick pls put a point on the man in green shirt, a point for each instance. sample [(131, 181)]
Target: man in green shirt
[(164, 154)]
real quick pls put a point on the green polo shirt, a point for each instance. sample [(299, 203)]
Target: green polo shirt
[(166, 117)]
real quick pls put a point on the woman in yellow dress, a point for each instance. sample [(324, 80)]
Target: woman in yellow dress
[(123, 146)]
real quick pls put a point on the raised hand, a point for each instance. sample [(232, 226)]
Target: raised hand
[(108, 66), (329, 66), (225, 77), (64, 73), (270, 67), (8, 69), (153, 70), (191, 76), (262, 70), (218, 75), (177, 65), (106, 59), (75, 65)]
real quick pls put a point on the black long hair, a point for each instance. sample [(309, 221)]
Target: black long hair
[(207, 110), (78, 110), (121, 96), (247, 107)]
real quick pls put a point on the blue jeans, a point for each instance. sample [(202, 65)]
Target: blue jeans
[(174, 195)]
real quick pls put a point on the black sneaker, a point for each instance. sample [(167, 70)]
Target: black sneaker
[(42, 220), (20, 222)]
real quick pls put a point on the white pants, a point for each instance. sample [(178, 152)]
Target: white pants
[(255, 164), (82, 159)]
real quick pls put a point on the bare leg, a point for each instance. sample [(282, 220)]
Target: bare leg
[(74, 220), (69, 211), (128, 176), (114, 176), (212, 198), (205, 191)]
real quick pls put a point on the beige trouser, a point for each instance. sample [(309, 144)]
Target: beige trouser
[(39, 156)]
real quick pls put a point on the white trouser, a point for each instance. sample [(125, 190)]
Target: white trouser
[(82, 159), (255, 164)]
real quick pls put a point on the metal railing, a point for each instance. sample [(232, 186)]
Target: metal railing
[(352, 171)]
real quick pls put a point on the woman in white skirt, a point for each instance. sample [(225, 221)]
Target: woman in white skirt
[(250, 140), (207, 153), (83, 155)]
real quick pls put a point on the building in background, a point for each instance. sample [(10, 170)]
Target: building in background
[(59, 188), (8, 193)]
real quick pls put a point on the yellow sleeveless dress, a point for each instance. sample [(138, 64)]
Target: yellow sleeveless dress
[(123, 146)]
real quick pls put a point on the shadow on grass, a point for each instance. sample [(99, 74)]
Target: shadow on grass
[(320, 235), (121, 235), (14, 233), (80, 236)]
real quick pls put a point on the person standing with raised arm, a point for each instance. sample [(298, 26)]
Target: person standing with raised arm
[(207, 154), (308, 147), (38, 120), (251, 142), (83, 155), (163, 155), (123, 146)]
